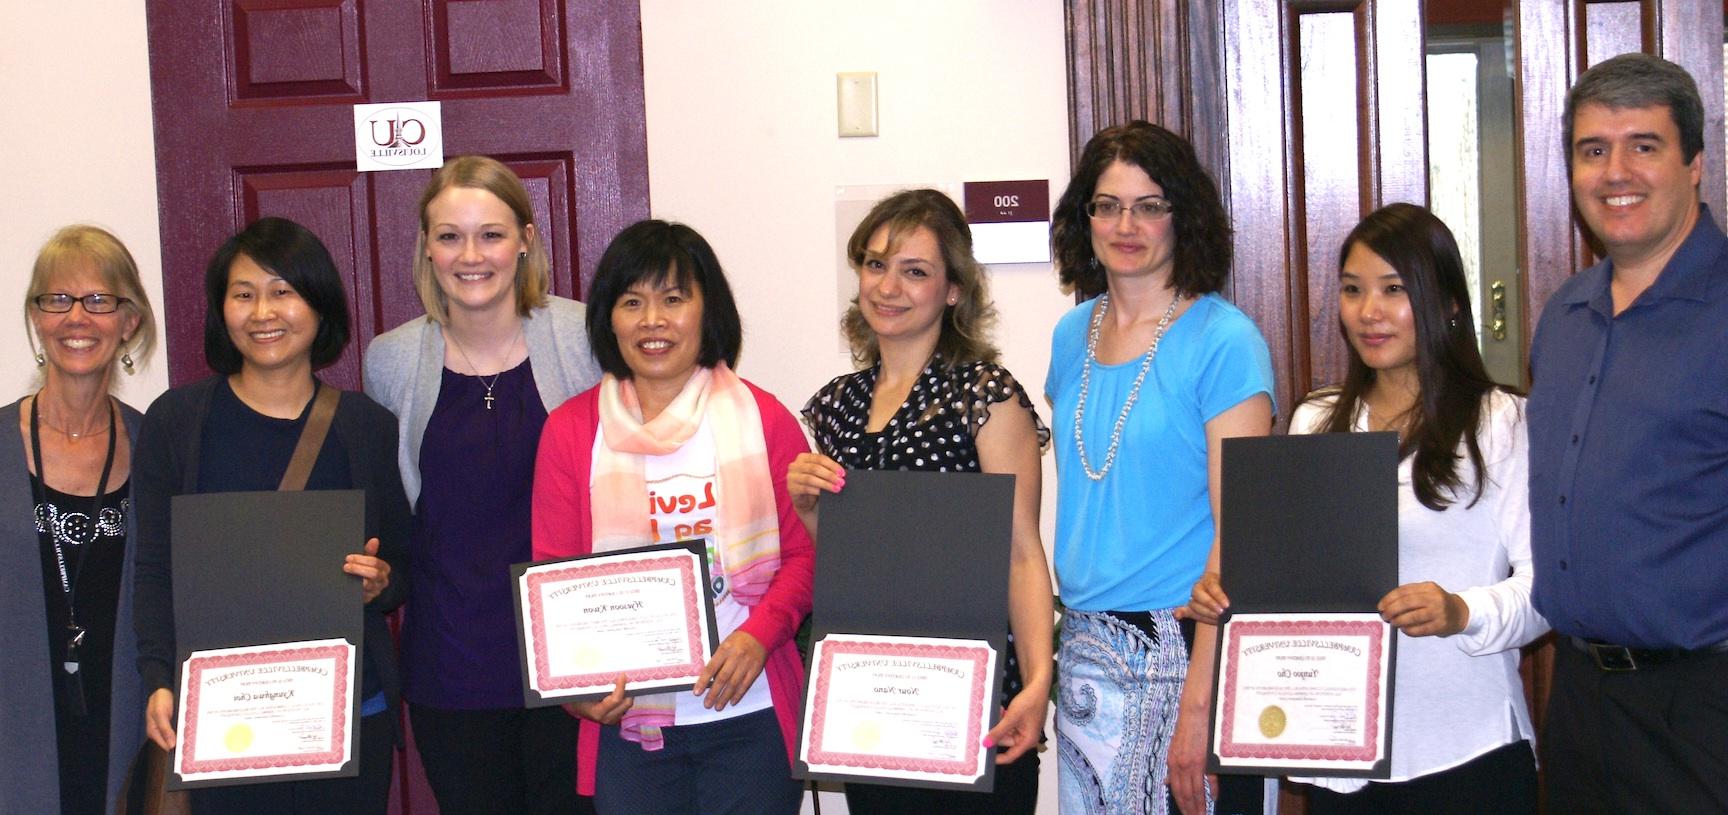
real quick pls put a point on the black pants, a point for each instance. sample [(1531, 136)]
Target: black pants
[(364, 794), (506, 761), (1645, 741), (1016, 793), (734, 766), (1502, 780)]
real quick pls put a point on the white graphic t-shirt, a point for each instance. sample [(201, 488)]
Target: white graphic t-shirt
[(683, 498)]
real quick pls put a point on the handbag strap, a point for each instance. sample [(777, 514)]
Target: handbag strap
[(311, 439)]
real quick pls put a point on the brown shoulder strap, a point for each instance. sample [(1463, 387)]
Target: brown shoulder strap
[(311, 439)]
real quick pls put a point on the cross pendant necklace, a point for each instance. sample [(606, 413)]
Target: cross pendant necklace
[(483, 383)]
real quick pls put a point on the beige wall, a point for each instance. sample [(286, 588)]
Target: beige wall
[(742, 146), (75, 87)]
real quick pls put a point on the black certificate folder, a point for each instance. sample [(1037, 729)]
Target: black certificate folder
[(259, 568), (1310, 522), (916, 554), (1309, 537)]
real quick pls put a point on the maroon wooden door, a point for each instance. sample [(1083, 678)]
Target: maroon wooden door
[(253, 104)]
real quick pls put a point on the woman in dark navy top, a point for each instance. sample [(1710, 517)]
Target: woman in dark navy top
[(74, 713), (930, 396), (276, 310), (472, 382)]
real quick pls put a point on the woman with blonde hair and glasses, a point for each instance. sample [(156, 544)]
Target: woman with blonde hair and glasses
[(472, 383), (73, 717)]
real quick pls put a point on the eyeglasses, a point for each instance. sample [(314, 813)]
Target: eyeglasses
[(1146, 209), (60, 302)]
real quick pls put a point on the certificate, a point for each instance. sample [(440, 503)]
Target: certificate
[(645, 613), (913, 708), (1304, 693), (274, 710)]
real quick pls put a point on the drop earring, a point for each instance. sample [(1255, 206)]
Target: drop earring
[(41, 360)]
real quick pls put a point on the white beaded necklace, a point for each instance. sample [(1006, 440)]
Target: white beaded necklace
[(1133, 393)]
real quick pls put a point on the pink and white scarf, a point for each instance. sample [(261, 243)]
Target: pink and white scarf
[(747, 523)]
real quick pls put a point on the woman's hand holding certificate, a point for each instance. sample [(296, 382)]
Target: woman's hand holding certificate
[(644, 614)]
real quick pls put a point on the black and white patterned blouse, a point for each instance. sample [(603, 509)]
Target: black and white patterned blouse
[(935, 430)]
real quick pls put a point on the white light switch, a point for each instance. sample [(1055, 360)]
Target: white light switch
[(856, 94)]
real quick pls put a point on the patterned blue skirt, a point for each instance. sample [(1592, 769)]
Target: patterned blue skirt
[(1119, 689)]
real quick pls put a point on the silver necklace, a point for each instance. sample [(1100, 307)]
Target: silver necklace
[(476, 369), (1133, 392)]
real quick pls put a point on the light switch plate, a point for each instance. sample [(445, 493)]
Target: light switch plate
[(856, 94)]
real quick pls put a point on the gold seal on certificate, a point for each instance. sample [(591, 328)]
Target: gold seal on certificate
[(1304, 693), (247, 714), (644, 613), (1272, 722), (899, 707)]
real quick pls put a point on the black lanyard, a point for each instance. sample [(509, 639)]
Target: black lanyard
[(69, 583)]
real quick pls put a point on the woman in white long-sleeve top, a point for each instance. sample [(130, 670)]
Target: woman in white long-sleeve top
[(1461, 738)]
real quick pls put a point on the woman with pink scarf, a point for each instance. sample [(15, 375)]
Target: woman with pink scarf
[(670, 419)]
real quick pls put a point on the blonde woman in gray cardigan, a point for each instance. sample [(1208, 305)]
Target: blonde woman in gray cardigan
[(472, 382)]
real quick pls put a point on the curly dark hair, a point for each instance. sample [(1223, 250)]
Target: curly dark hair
[(1203, 245)]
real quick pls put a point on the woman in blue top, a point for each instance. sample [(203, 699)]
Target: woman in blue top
[(1147, 377)]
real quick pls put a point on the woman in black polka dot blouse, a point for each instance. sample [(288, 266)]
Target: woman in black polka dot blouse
[(930, 396)]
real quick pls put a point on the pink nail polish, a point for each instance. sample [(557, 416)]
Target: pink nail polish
[(989, 742)]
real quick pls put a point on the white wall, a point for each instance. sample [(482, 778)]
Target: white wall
[(75, 87), (742, 146)]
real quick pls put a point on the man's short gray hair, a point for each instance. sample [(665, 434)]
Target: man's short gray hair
[(1641, 81)]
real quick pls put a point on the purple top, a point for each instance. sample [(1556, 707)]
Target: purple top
[(470, 524)]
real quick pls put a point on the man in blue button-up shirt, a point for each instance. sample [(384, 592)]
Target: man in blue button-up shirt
[(1628, 423)]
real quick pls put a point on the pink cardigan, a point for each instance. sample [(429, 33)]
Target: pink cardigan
[(563, 527)]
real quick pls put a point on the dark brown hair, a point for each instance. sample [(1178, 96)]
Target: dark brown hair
[(1448, 366), (1202, 229)]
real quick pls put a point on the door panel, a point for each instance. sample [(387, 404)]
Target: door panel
[(252, 102), (1320, 118), (253, 117), (1325, 118)]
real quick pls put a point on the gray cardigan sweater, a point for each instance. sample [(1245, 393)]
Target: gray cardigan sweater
[(405, 367), (29, 764)]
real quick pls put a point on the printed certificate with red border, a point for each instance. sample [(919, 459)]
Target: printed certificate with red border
[(274, 710), (899, 707), (1304, 693), (645, 613)]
